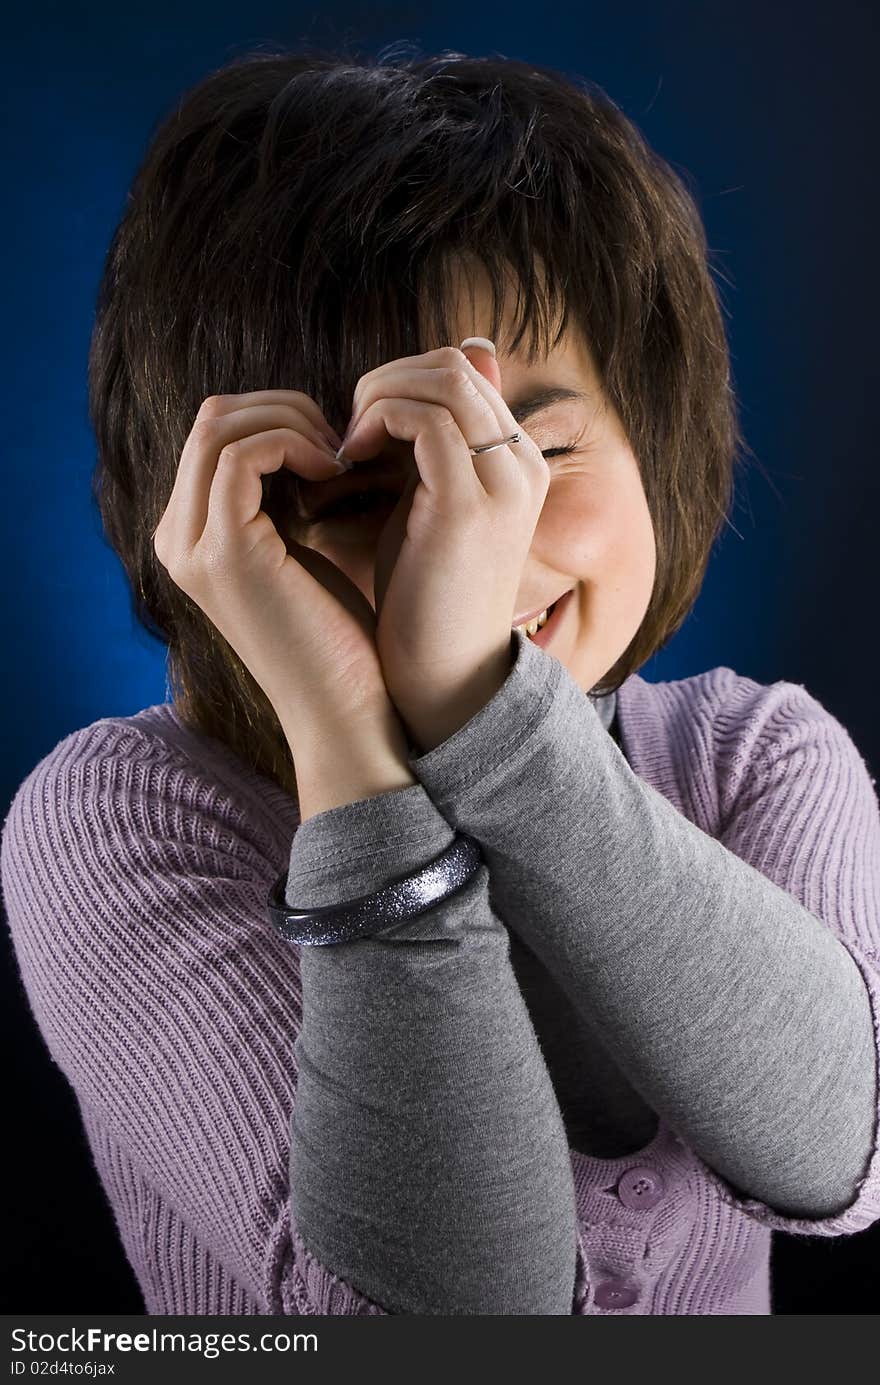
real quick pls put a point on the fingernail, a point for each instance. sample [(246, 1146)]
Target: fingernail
[(486, 344), (342, 461)]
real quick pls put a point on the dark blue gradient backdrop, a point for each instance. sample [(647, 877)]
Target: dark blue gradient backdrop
[(768, 110)]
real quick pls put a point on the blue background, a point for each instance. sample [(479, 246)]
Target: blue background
[(768, 110)]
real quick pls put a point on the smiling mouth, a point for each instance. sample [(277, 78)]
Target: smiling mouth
[(536, 623)]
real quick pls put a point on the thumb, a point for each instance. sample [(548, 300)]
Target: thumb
[(480, 351)]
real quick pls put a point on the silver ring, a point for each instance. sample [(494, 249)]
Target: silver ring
[(488, 446)]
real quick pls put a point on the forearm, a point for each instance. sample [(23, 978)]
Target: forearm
[(732, 1010), (429, 1164)]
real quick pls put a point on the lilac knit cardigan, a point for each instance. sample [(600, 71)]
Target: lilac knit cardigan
[(136, 860)]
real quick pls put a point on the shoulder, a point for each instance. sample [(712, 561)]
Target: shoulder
[(719, 735), (771, 735), (112, 735), (81, 764), (120, 798), (716, 693), (73, 757), (79, 793)]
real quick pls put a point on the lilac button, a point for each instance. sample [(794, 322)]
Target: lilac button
[(615, 1293), (640, 1188)]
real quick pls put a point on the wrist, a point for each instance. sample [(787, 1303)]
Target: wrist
[(348, 760), (435, 716), (322, 790)]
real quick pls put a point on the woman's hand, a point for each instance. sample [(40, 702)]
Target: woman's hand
[(448, 573), (304, 631)]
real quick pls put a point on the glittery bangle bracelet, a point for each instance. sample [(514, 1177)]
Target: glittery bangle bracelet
[(403, 898)]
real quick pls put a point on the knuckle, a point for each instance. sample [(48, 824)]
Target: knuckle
[(230, 452), (204, 430), (442, 417), (360, 389), (161, 538), (285, 436), (213, 406), (158, 537), (454, 358), (457, 380)]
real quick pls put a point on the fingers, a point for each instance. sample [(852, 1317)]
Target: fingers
[(448, 357), (477, 413), (236, 493), (451, 358), (216, 429), (441, 453), (217, 404)]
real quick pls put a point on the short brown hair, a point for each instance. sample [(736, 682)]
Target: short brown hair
[(287, 224)]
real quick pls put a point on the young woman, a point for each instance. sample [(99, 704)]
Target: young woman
[(419, 956)]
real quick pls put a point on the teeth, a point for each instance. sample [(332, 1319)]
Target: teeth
[(533, 626)]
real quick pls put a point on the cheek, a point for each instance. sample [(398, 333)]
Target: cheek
[(630, 551), (600, 531)]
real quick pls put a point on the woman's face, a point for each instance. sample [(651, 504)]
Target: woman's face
[(594, 536)]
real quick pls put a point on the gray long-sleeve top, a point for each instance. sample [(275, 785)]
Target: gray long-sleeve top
[(662, 974)]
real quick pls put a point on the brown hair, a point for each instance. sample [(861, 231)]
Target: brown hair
[(289, 222)]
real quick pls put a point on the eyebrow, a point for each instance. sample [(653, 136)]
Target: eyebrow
[(542, 399)]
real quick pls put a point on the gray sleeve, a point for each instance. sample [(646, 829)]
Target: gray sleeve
[(735, 1012), (429, 1165)]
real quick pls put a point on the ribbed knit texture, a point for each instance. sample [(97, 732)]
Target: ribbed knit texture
[(136, 859)]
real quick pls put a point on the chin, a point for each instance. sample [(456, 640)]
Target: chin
[(590, 660)]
